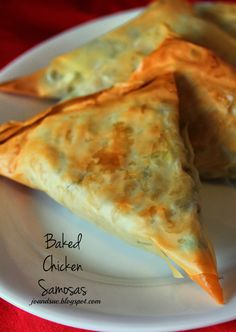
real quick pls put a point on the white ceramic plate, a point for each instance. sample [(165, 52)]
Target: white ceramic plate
[(136, 290)]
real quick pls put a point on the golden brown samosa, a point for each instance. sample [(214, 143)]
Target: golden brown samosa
[(113, 57), (207, 90), (118, 160)]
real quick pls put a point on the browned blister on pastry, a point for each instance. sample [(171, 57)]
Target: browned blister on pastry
[(207, 90), (118, 160)]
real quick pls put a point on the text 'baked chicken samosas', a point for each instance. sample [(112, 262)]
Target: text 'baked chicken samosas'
[(118, 160)]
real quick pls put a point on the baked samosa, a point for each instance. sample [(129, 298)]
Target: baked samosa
[(207, 91), (118, 160), (221, 13), (112, 58)]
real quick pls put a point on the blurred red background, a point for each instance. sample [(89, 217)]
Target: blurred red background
[(24, 24)]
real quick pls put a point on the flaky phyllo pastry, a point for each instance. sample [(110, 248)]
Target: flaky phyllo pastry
[(112, 58), (118, 160), (207, 91)]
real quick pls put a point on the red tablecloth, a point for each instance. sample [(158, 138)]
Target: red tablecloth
[(24, 24)]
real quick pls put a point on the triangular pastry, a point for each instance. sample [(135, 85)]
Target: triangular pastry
[(118, 160), (113, 57), (207, 91)]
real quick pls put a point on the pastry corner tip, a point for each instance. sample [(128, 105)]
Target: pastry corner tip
[(25, 85), (210, 283)]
